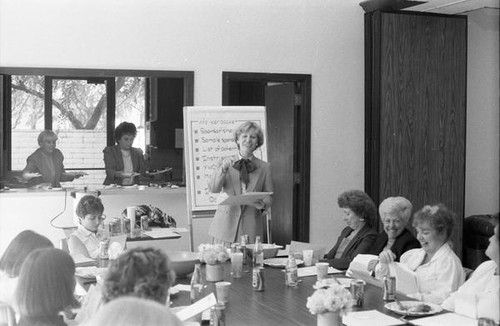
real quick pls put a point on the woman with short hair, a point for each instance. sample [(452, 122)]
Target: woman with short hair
[(438, 270), (238, 174), (45, 165), (46, 288), (358, 237), (124, 164), (396, 239), (85, 240)]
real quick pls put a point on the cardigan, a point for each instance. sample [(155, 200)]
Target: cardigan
[(113, 162), (36, 162), (360, 244), (404, 242), (232, 221)]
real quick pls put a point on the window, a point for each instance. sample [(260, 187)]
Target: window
[(83, 107)]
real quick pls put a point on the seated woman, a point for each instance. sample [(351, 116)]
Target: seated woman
[(85, 240), (45, 289), (139, 272), (358, 237), (479, 296), (13, 258), (124, 164), (438, 270), (45, 165), (133, 311), (395, 213)]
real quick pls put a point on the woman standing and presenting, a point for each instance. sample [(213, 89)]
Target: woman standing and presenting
[(124, 164), (358, 236), (45, 165), (239, 174)]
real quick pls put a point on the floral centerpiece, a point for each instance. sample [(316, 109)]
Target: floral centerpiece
[(214, 255), (330, 301)]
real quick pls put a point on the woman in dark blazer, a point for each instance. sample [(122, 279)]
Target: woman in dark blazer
[(395, 213), (124, 164), (238, 174), (358, 237)]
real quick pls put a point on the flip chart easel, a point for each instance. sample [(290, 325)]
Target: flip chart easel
[(208, 135)]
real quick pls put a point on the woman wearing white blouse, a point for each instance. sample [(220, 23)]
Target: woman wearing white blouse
[(438, 270), (479, 296)]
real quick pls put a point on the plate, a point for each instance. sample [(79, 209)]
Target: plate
[(414, 308), (280, 262)]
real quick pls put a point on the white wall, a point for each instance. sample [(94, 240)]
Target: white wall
[(483, 113), (323, 38)]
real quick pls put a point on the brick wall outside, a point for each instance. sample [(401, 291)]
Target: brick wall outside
[(81, 148)]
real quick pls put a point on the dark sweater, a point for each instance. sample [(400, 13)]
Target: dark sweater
[(404, 242)]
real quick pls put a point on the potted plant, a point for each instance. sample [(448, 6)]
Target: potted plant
[(330, 301), (213, 255)]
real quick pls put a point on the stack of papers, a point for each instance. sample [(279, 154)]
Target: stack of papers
[(369, 317), (448, 319), (311, 271)]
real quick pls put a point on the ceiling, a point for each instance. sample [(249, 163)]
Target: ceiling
[(454, 6)]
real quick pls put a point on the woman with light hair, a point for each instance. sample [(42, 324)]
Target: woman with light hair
[(396, 239), (437, 268), (133, 311)]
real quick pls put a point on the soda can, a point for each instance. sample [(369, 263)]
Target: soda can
[(218, 315), (103, 249), (116, 226), (485, 322), (389, 288), (358, 292), (258, 279), (144, 223)]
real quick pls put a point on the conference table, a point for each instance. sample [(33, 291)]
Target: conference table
[(278, 304)]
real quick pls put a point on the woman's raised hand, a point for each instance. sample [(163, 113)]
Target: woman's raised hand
[(387, 256), (226, 163)]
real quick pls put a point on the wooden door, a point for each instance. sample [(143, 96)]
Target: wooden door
[(280, 149), (416, 110)]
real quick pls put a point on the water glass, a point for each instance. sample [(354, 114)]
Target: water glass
[(236, 264)]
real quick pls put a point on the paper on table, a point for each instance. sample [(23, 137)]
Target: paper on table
[(182, 287), (246, 198), (447, 319), (197, 307), (369, 317), (311, 270), (406, 279), (359, 265), (182, 230), (161, 233)]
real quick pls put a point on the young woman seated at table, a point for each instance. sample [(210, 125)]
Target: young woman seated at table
[(479, 296), (85, 240), (358, 237), (139, 272), (438, 270), (396, 239), (45, 165), (13, 258), (45, 289), (124, 164), (134, 311)]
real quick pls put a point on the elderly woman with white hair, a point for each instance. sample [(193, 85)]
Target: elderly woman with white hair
[(396, 239)]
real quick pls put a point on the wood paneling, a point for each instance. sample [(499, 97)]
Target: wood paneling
[(418, 100)]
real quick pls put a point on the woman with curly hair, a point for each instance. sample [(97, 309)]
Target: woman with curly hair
[(437, 268), (358, 237), (139, 272)]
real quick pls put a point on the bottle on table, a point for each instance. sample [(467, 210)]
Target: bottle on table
[(197, 284), (291, 278), (258, 253)]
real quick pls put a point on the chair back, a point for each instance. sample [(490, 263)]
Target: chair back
[(7, 315)]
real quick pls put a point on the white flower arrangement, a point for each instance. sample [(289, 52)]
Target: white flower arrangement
[(212, 253), (329, 296)]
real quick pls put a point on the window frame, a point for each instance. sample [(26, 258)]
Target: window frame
[(74, 73)]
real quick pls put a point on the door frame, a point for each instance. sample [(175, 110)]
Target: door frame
[(302, 134)]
